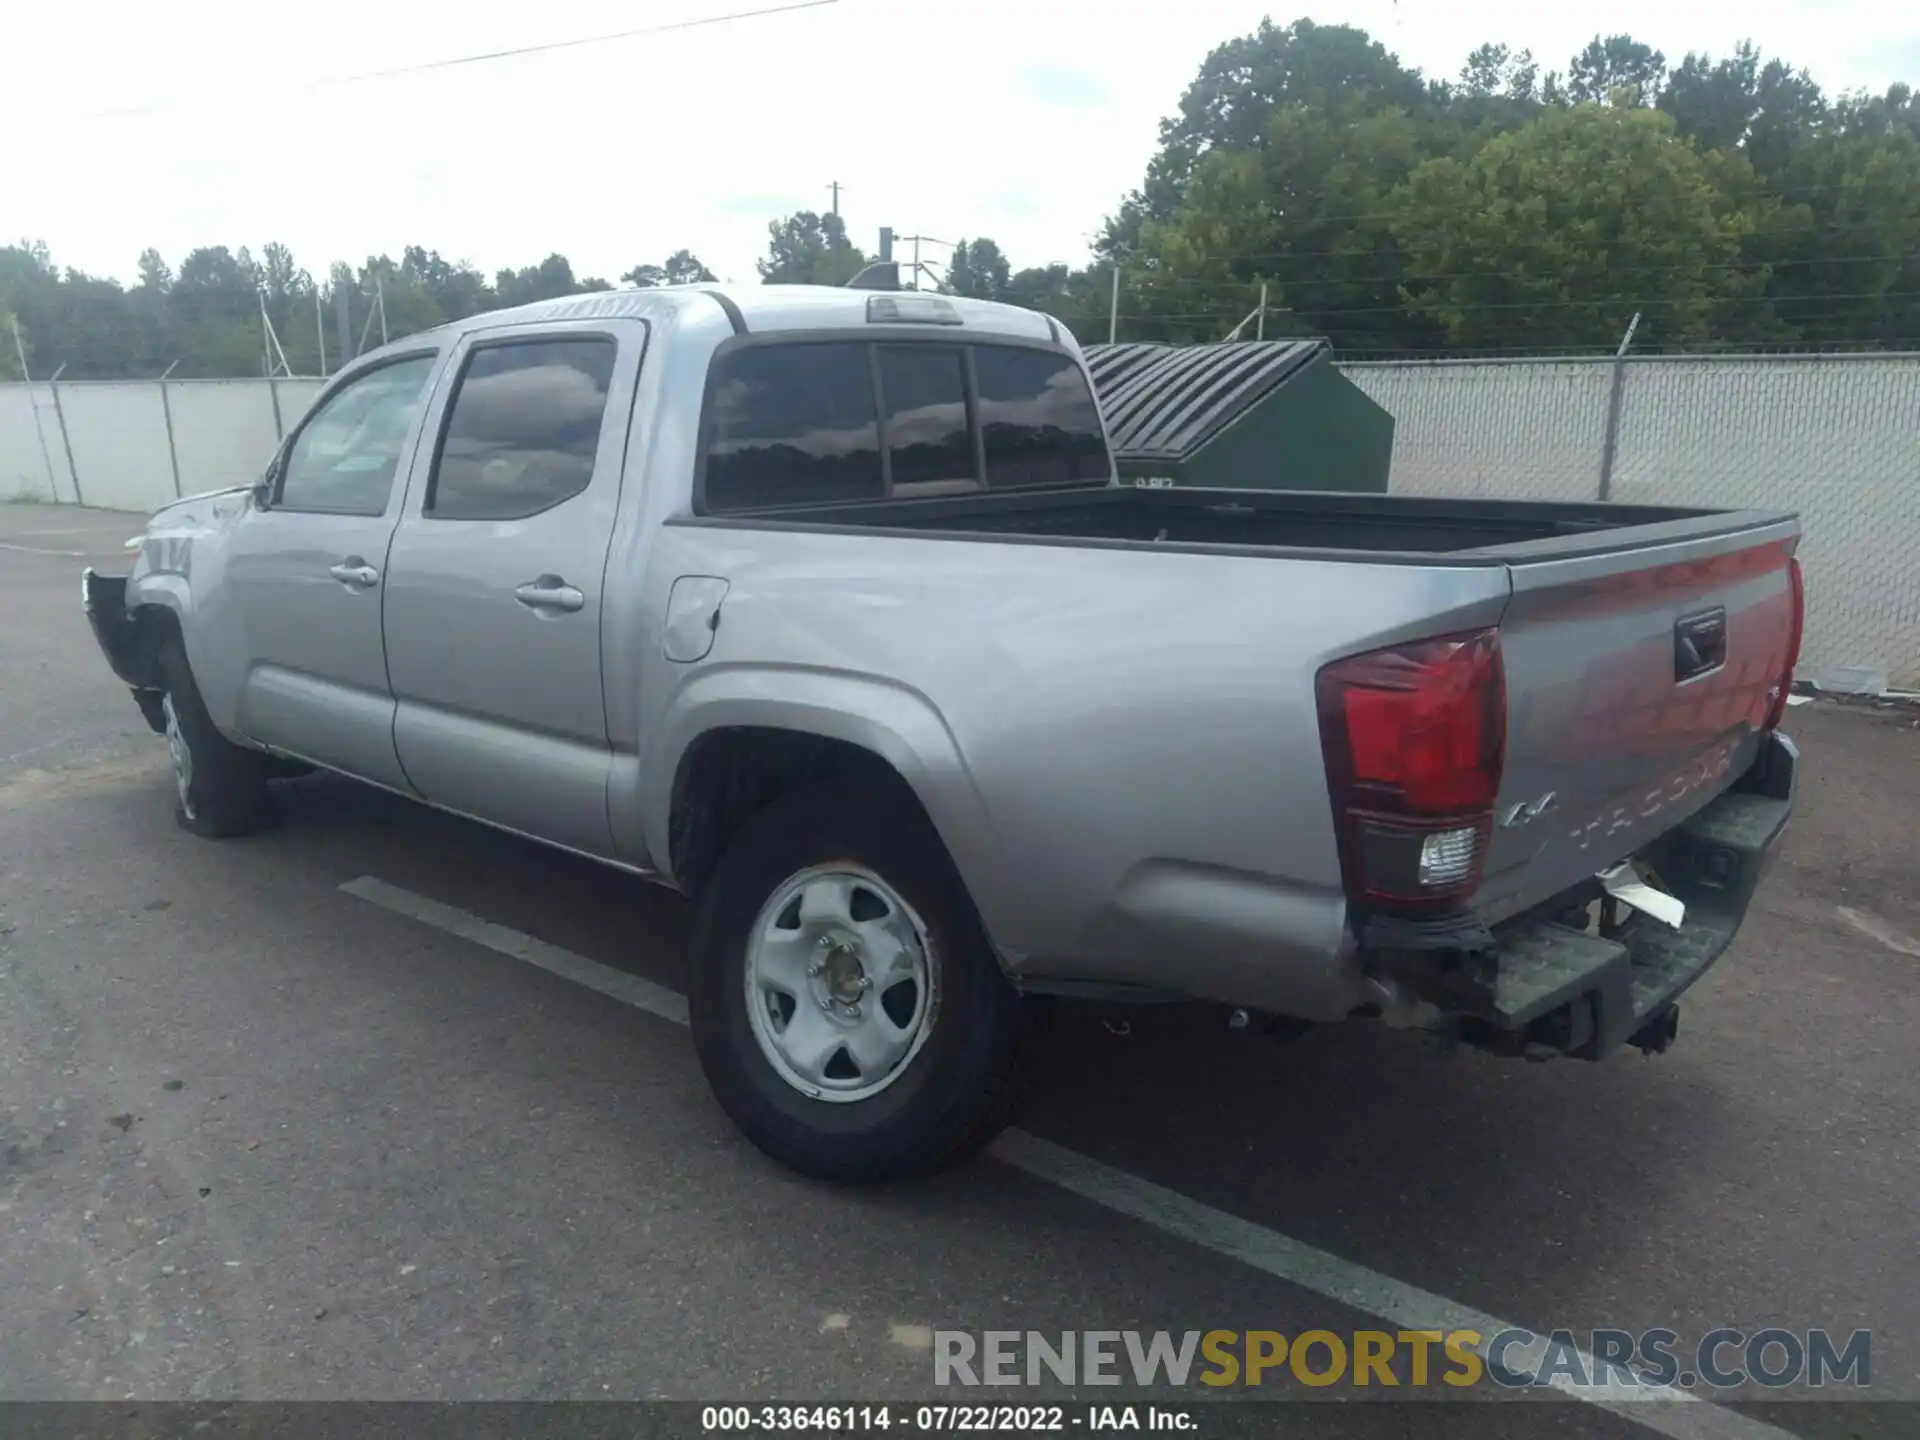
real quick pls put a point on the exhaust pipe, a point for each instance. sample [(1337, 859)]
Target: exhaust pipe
[(1657, 1034)]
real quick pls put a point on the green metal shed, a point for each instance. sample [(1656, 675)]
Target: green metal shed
[(1241, 415)]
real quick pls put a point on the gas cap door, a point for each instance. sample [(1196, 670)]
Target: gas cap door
[(693, 615)]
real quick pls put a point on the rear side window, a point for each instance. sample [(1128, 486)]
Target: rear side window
[(792, 425), (1037, 419), (523, 428)]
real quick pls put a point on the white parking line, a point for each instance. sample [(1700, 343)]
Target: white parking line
[(642, 994), (1672, 1413)]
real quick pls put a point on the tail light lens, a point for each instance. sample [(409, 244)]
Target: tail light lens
[(1414, 737), (1778, 709)]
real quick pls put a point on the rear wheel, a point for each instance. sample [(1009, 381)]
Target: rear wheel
[(846, 1006), (220, 790)]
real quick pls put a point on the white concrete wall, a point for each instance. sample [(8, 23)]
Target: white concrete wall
[(119, 440), (223, 432), (33, 466)]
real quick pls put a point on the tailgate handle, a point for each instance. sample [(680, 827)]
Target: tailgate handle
[(1699, 644)]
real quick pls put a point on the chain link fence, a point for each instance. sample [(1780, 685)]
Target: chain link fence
[(1834, 437)]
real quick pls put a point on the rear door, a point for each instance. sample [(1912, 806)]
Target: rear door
[(1638, 683), (496, 579), (305, 577)]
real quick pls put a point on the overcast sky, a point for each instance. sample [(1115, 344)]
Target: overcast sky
[(1025, 120)]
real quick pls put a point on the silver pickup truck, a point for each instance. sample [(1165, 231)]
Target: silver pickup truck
[(825, 607)]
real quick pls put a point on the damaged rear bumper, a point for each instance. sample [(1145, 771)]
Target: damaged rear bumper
[(104, 598), (1557, 984)]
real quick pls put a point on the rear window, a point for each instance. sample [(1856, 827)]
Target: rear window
[(792, 425), (929, 440), (816, 422), (1038, 419)]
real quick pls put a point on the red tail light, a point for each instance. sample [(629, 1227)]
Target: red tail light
[(1777, 711), (1414, 737)]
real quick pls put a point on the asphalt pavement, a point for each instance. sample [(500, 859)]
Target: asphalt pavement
[(262, 1137)]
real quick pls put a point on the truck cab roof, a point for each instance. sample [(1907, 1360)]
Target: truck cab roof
[(762, 309)]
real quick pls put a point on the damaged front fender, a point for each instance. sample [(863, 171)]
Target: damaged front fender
[(127, 640)]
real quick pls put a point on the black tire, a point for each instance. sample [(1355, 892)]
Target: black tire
[(950, 1097), (227, 793)]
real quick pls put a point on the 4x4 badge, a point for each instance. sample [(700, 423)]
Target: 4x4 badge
[(1527, 811)]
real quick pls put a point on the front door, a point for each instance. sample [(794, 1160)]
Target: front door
[(497, 571), (304, 578)]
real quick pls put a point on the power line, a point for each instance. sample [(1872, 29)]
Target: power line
[(511, 54)]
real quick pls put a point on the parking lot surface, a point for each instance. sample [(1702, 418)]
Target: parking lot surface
[(364, 1108)]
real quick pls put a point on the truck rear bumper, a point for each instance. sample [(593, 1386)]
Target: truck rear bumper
[(1549, 987)]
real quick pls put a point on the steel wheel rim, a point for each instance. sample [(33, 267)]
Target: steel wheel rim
[(842, 984), (180, 755)]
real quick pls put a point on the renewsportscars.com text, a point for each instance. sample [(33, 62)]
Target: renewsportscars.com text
[(1515, 1359)]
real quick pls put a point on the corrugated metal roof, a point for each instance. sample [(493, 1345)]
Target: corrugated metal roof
[(1163, 402)]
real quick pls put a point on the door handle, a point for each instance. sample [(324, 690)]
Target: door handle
[(355, 572), (549, 592)]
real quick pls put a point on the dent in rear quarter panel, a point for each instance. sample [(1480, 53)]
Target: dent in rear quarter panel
[(1596, 718), (1119, 745)]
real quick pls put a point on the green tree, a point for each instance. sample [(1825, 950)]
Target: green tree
[(1494, 71), (1765, 110), (549, 280), (1616, 63), (1843, 247), (1565, 228), (809, 249), (682, 267), (978, 268), (1242, 83)]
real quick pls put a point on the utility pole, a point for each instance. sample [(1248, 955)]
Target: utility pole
[(888, 237), (1113, 309), (834, 186), (1260, 325), (342, 303)]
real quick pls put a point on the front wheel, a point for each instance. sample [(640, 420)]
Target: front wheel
[(220, 790), (846, 1006)]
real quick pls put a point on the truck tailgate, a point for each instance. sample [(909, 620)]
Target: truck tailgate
[(1639, 681)]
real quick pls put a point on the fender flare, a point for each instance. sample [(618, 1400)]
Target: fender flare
[(892, 721)]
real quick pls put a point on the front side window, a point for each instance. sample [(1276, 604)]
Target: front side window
[(522, 429), (344, 458), (1037, 419), (792, 425)]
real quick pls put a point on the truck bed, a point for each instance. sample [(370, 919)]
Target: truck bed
[(1618, 725), (1415, 529)]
